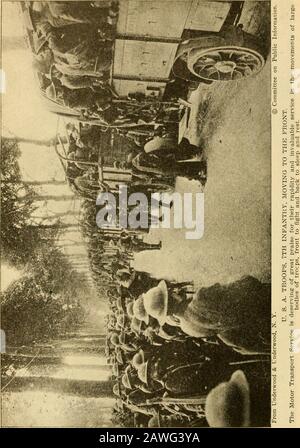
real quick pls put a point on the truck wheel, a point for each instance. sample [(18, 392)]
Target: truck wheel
[(225, 63), (231, 55)]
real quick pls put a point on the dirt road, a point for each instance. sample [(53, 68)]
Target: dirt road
[(236, 137)]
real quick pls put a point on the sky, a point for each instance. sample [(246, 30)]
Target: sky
[(21, 90)]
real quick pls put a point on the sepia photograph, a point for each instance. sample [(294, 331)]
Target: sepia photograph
[(136, 214)]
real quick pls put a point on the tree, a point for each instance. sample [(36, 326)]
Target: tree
[(46, 143), (31, 312), (18, 239), (45, 302), (45, 182), (57, 215), (56, 227), (51, 197), (58, 348), (53, 271), (81, 388), (20, 233)]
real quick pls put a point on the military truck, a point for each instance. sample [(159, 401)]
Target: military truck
[(163, 48)]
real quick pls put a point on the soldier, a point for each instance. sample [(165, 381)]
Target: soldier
[(60, 14), (237, 313), (242, 401), (78, 98), (133, 243), (85, 183)]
